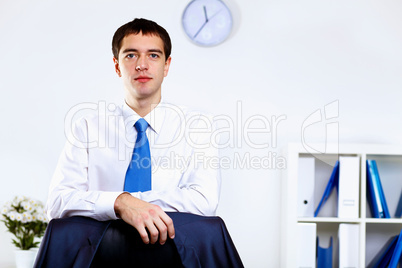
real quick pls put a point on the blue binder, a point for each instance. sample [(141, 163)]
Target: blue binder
[(398, 212), (381, 260), (396, 255), (375, 193), (332, 182), (324, 255)]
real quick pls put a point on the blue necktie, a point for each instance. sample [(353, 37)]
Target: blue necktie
[(138, 175)]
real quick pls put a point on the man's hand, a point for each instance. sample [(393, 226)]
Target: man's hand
[(141, 215)]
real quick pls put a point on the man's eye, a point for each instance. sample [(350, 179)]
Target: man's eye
[(154, 56), (130, 56)]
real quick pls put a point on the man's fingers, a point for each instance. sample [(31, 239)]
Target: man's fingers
[(169, 224), (139, 224), (153, 232), (160, 225), (151, 222), (143, 234)]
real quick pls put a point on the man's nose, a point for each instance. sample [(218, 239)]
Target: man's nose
[(142, 63)]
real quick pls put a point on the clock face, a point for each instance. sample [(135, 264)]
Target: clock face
[(207, 22)]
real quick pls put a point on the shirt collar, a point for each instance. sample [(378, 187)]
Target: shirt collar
[(155, 118)]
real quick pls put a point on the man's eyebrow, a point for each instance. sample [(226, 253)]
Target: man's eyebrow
[(155, 50), (129, 50)]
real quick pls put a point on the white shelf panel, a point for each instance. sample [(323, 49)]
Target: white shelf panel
[(339, 220), (329, 219), (375, 220)]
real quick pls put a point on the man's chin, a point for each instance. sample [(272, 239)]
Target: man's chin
[(145, 94)]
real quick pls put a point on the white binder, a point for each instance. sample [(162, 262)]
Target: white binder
[(348, 196), (348, 236), (306, 182), (306, 245)]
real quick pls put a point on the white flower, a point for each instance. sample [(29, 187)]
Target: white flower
[(32, 210), (5, 210), (45, 218), (11, 215), (25, 205), (27, 216), (39, 210), (40, 217), (18, 216)]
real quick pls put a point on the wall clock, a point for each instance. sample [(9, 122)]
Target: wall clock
[(207, 22)]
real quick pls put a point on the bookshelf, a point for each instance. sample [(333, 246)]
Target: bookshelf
[(373, 232)]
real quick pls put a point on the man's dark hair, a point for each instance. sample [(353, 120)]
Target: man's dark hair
[(146, 27)]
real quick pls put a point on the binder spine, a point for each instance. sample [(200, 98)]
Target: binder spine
[(373, 192)]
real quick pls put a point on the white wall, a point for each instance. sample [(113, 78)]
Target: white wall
[(284, 58)]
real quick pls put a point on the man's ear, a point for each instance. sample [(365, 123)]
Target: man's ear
[(116, 66), (167, 65)]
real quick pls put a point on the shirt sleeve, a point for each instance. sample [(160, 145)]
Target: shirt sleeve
[(199, 188), (68, 191)]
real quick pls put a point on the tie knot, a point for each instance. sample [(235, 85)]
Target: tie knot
[(141, 125)]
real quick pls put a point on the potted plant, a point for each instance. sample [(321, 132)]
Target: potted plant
[(26, 220)]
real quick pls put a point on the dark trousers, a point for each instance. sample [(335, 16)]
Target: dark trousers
[(84, 242), (122, 246)]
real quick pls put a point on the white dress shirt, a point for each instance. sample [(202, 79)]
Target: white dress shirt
[(91, 170)]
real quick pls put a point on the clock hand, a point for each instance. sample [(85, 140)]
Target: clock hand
[(205, 23), (199, 30), (205, 12)]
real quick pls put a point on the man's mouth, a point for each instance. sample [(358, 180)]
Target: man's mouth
[(142, 79)]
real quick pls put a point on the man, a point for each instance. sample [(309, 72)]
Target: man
[(93, 180)]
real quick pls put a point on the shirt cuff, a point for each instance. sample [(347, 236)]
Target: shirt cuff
[(104, 207)]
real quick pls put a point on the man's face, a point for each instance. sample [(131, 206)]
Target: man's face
[(142, 66)]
